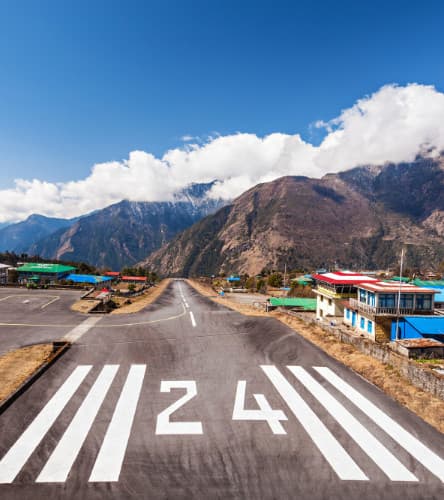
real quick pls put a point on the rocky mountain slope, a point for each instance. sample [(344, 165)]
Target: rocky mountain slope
[(20, 236), (358, 218), (124, 233)]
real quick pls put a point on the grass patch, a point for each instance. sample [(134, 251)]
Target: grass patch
[(18, 365), (138, 303)]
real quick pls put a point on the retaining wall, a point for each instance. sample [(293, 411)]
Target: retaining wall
[(420, 376)]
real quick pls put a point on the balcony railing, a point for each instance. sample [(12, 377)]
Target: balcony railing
[(385, 311)]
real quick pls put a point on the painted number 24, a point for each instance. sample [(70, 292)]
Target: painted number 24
[(264, 413)]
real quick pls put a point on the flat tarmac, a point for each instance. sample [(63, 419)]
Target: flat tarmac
[(188, 399)]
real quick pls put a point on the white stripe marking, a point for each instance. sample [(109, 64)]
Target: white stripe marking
[(390, 465), (50, 302), (110, 458), (77, 332), (334, 453), (186, 305), (416, 448), (193, 321), (57, 468), (18, 454)]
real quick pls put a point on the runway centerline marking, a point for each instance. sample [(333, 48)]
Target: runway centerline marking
[(193, 321)]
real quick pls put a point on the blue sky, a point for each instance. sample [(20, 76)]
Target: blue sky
[(86, 82)]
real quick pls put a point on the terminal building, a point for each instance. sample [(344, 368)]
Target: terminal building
[(38, 272)]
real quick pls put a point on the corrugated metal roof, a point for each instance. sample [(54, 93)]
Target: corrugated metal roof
[(343, 278), (387, 287), (38, 267), (87, 278), (429, 283), (427, 325), (134, 278), (305, 303)]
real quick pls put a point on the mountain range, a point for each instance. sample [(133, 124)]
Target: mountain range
[(20, 237), (359, 218), (126, 232)]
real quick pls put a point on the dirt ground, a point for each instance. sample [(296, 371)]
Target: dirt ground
[(18, 365), (138, 303), (425, 405), (84, 306)]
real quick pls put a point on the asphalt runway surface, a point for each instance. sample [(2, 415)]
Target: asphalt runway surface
[(188, 399), (35, 316)]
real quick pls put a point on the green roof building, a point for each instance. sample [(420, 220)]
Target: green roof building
[(306, 304), (44, 272)]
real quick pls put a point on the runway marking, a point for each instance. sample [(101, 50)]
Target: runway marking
[(59, 464), (390, 465), (193, 321), (18, 454), (112, 452), (341, 462), (115, 325), (80, 330), (265, 412), (414, 446), (53, 297), (163, 424), (186, 305), (109, 459)]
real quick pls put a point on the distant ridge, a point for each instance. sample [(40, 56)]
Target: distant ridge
[(357, 218)]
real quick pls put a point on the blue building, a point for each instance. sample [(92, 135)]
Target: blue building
[(417, 327)]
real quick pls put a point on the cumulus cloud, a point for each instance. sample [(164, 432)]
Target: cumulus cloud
[(392, 125)]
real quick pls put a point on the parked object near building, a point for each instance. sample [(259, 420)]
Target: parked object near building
[(419, 336), (42, 272), (332, 289), (375, 306), (4, 273)]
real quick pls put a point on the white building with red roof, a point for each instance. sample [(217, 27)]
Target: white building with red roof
[(375, 305), (332, 289)]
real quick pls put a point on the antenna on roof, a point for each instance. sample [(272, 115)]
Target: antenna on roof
[(399, 294)]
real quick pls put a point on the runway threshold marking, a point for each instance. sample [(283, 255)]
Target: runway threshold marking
[(18, 454), (390, 465), (414, 446), (109, 458), (109, 461), (341, 462), (59, 464)]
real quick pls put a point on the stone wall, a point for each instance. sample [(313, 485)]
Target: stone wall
[(420, 376)]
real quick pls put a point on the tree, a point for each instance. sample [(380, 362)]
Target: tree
[(275, 280)]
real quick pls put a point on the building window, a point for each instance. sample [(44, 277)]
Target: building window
[(362, 324), (371, 298), (387, 300), (423, 301), (322, 298), (370, 326), (362, 296), (347, 313), (329, 302), (406, 301)]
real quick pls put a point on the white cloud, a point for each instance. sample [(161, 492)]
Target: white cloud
[(392, 125)]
